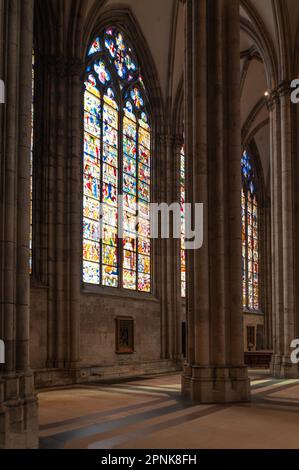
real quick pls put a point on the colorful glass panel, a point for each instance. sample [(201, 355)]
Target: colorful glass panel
[(250, 237), (102, 72), (137, 97), (129, 279), (117, 147), (137, 175), (95, 47), (91, 273), (91, 85), (121, 54)]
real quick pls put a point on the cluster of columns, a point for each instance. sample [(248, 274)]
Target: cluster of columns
[(214, 370), (57, 204), (170, 291), (284, 228), (60, 166), (18, 404)]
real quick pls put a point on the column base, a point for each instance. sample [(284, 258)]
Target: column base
[(18, 412), (281, 367), (215, 384)]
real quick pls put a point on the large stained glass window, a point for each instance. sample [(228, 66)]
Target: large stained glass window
[(117, 162), (183, 230), (250, 235)]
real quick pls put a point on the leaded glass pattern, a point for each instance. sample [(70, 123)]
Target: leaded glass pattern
[(117, 161), (183, 228), (250, 236)]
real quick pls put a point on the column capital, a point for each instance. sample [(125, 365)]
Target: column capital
[(282, 89), (272, 100), (170, 139)]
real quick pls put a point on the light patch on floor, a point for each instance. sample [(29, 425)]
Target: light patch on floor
[(149, 413)]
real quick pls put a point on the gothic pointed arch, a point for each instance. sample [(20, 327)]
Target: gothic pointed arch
[(118, 155), (124, 19)]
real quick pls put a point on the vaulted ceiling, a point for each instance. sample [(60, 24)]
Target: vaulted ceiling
[(269, 50), (155, 18), (269, 39)]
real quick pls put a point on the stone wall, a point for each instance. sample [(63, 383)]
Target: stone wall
[(97, 342), (98, 358)]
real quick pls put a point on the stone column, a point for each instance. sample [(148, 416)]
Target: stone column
[(169, 257), (49, 71), (76, 71), (64, 210), (161, 266), (215, 370), (283, 136), (18, 405), (275, 172), (56, 148), (266, 285)]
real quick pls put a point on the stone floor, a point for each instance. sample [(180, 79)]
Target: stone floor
[(149, 413)]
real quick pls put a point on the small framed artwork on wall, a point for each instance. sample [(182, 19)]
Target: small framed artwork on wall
[(124, 335)]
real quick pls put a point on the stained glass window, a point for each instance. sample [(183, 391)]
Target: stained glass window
[(117, 162), (183, 230), (250, 235)]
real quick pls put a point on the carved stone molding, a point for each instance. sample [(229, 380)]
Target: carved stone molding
[(283, 89), (171, 140)]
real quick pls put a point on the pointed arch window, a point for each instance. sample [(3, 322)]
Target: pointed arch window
[(250, 235), (117, 161)]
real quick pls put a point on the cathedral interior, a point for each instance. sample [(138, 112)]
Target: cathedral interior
[(135, 341)]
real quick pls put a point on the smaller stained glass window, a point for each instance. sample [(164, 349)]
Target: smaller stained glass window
[(250, 235)]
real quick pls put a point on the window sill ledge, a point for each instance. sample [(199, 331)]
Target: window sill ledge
[(118, 293), (253, 312)]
